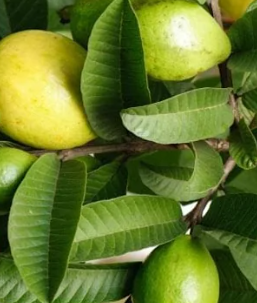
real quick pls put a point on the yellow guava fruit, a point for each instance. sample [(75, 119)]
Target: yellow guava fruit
[(40, 99), (234, 8)]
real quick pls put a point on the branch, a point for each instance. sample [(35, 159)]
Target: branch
[(130, 148), (195, 216)]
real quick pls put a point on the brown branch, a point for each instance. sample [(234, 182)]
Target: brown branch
[(130, 148), (195, 216)]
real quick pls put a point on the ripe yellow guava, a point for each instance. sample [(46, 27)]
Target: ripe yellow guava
[(14, 164), (182, 271), (180, 39), (40, 99), (234, 8)]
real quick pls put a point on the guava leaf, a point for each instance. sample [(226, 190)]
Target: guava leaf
[(186, 184), (249, 100), (107, 182), (114, 227), (234, 287), (241, 181), (82, 283), (225, 223), (170, 158), (243, 146), (244, 43), (188, 117), (249, 83), (114, 75), (26, 14), (43, 221)]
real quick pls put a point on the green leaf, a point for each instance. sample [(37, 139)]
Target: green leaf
[(106, 182), (242, 181), (82, 283), (27, 14), (249, 100), (249, 83), (189, 117), (114, 75), (234, 287), (114, 227), (243, 146), (91, 162), (231, 220), (183, 186), (244, 43), (43, 221)]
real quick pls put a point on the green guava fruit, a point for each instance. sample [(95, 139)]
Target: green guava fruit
[(14, 164), (182, 271), (40, 99), (180, 39)]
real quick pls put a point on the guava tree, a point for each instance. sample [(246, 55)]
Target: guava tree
[(157, 145)]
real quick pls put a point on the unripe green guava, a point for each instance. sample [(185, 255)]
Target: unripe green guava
[(180, 39), (182, 271), (14, 164)]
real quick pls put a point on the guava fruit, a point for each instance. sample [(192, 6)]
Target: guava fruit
[(40, 99), (234, 8), (180, 39), (14, 164), (182, 271)]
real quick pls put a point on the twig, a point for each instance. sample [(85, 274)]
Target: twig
[(131, 148), (195, 216)]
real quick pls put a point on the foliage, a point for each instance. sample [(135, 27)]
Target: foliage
[(160, 145)]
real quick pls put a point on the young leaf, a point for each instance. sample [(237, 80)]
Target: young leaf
[(234, 287), (184, 186), (114, 74), (226, 224), (243, 146), (106, 182), (244, 43), (43, 221), (27, 14), (82, 283), (128, 223), (189, 117)]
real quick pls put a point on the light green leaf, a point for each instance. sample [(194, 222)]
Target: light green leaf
[(234, 287), (27, 14), (243, 146), (244, 43), (82, 283), (249, 100), (114, 227), (106, 182), (114, 75), (249, 83), (207, 173), (43, 221), (231, 220), (189, 117)]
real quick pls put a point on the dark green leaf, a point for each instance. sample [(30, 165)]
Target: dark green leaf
[(244, 43), (106, 182), (43, 222), (114, 227), (26, 14), (231, 220), (234, 287), (186, 184), (114, 75), (189, 117), (82, 283), (243, 146)]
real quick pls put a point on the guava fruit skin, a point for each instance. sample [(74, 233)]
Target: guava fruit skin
[(178, 272), (40, 99), (14, 164), (234, 8), (182, 41)]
